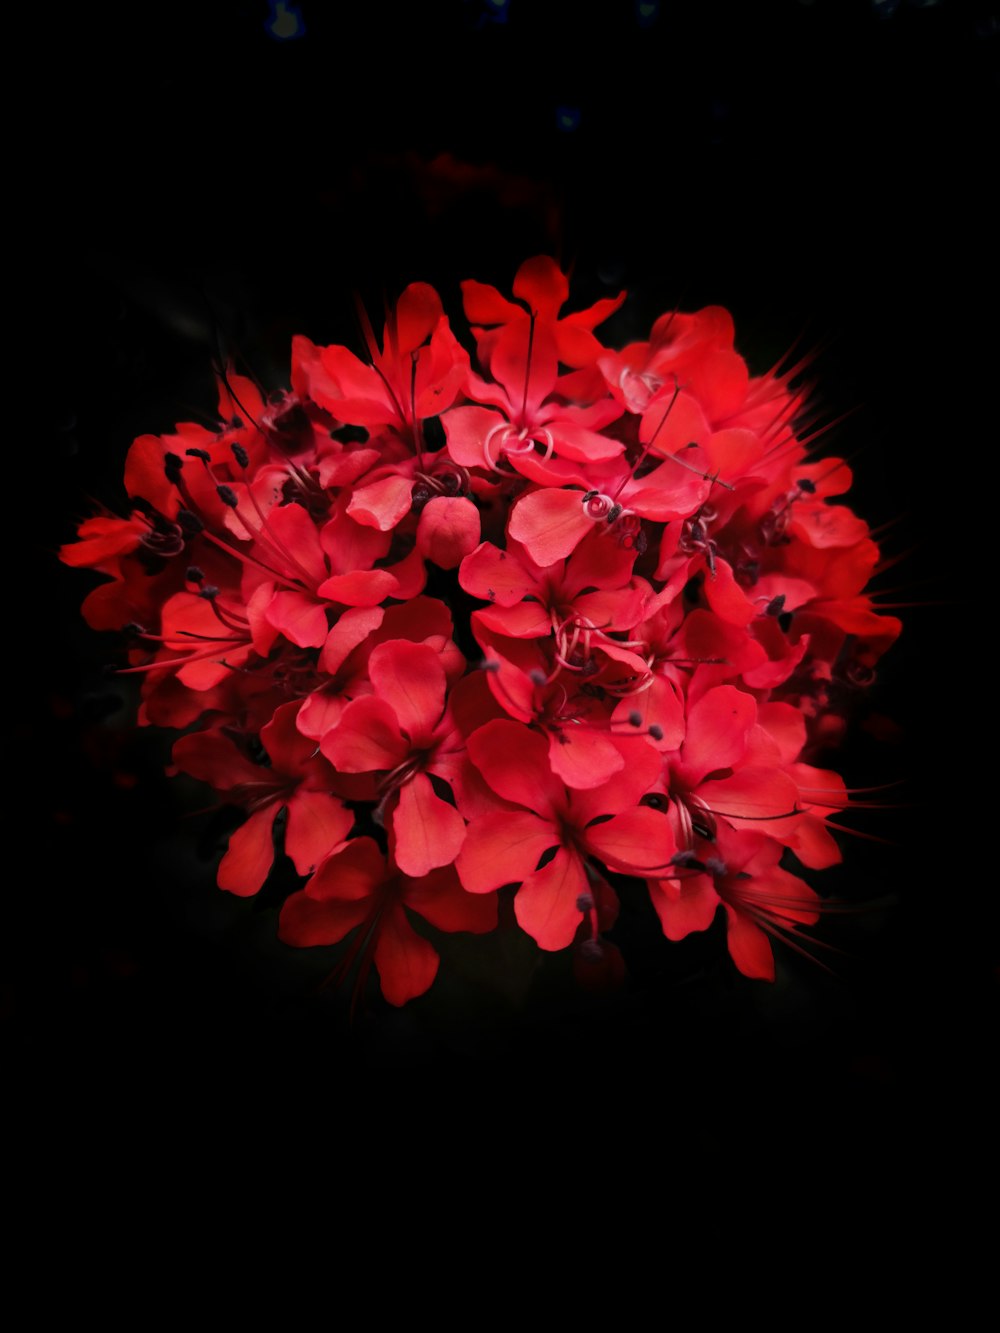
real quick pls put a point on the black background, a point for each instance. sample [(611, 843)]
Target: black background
[(818, 168)]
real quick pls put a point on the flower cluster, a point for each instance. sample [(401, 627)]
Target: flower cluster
[(659, 597)]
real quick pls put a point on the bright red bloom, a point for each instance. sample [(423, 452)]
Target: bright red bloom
[(298, 780), (760, 899), (544, 290), (417, 372), (509, 846), (404, 731), (358, 887), (668, 591)]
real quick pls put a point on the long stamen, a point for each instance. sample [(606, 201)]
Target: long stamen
[(369, 337), (642, 457), (249, 560), (415, 425), (527, 368), (228, 496), (232, 393), (171, 662)]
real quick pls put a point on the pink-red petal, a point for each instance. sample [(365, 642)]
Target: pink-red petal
[(429, 832)]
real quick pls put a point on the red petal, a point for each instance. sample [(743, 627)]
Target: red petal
[(749, 946), (578, 443), (144, 475), (351, 390), (352, 628), (717, 731), (550, 524), (496, 576), (582, 758), (484, 304), (407, 964), (440, 899), (597, 563), (367, 738), (292, 532), (527, 620), (786, 726), (410, 574), (365, 587), (545, 905), (247, 864), (732, 453), (417, 619), (410, 678), (660, 706), (306, 921), (542, 286), (687, 905), (382, 503), (351, 874), (350, 545), (515, 763), (685, 424), (813, 843), (576, 346), (595, 314), (299, 617), (751, 794), (320, 712), (725, 596), (638, 842), (466, 429), (826, 526), (317, 823), (643, 769), (101, 541), (213, 758), (429, 832), (503, 848), (417, 313), (509, 364)]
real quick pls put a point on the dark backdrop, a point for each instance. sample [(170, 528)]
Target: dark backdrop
[(818, 168)]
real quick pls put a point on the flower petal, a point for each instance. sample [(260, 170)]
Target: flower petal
[(717, 730), (410, 678), (317, 824), (407, 964), (687, 905), (306, 921), (429, 832), (545, 904), (440, 899), (366, 739), (503, 848), (247, 864), (749, 946), (382, 503), (515, 763), (542, 286), (550, 524), (638, 842)]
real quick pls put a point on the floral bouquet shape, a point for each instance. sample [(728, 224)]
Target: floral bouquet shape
[(446, 627)]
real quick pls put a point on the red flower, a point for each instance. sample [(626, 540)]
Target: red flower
[(760, 899), (509, 845), (544, 290), (672, 612), (416, 374), (358, 887), (404, 731), (298, 780)]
